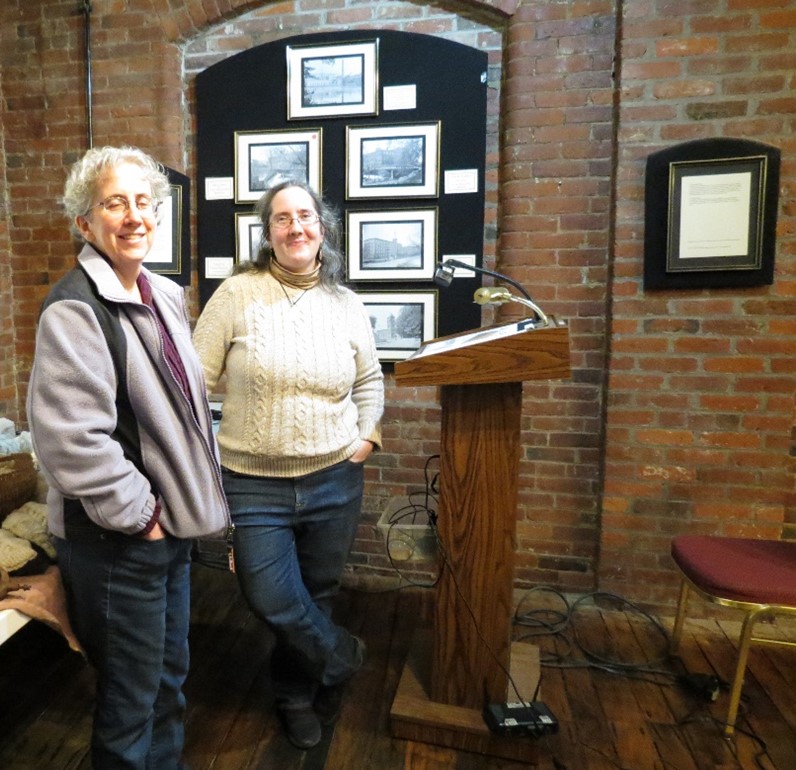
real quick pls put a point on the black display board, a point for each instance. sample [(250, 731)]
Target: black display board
[(248, 92)]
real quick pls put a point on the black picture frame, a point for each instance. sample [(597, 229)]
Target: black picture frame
[(710, 215), (393, 161), (170, 254), (332, 80), (715, 214), (402, 321), (391, 245), (265, 158), (248, 236)]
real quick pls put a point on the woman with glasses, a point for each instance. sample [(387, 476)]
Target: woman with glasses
[(122, 430), (301, 413)]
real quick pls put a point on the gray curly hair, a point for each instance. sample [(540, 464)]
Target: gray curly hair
[(86, 174)]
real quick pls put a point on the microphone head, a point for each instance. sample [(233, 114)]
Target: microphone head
[(443, 275)]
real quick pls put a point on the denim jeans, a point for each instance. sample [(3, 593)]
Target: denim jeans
[(129, 602), (292, 540)]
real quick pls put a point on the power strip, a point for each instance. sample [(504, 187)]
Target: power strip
[(514, 718), (706, 686)]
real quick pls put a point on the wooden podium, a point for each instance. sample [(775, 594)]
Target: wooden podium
[(464, 663)]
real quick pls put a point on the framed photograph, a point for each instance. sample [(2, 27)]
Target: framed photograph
[(392, 245), (402, 321), (332, 80), (265, 158), (393, 161), (170, 252), (248, 236), (165, 256), (710, 214)]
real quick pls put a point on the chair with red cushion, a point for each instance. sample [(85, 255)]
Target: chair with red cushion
[(757, 577)]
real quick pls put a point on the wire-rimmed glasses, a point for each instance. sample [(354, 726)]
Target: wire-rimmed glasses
[(118, 205), (304, 218)]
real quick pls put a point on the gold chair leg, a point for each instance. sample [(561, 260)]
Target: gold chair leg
[(744, 642), (677, 631)]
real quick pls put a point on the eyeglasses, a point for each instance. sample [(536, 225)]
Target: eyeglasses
[(304, 218), (118, 205)]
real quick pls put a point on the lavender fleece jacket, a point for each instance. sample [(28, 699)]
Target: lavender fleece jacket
[(115, 463)]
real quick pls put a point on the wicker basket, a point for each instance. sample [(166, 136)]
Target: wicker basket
[(17, 481)]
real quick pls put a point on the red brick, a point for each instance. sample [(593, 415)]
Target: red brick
[(685, 367)]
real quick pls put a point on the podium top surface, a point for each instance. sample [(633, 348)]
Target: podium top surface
[(510, 352)]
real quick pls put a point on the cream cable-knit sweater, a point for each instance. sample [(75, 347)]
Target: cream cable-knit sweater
[(304, 385)]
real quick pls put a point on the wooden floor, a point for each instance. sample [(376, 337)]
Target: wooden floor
[(607, 721)]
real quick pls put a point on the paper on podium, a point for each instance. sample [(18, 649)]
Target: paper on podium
[(471, 338)]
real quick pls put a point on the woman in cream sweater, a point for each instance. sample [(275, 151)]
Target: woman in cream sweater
[(302, 409)]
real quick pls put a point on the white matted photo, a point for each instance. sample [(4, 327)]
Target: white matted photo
[(266, 158), (391, 245), (332, 80), (393, 161), (402, 321), (248, 236), (165, 256)]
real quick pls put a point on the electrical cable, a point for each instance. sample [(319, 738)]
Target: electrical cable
[(420, 509), (395, 521), (565, 621), (428, 509), (562, 625), (762, 751), (447, 564), (625, 604)]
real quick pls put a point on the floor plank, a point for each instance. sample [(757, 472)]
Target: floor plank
[(607, 721)]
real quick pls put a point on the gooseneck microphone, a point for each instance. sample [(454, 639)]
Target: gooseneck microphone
[(490, 295), (443, 275)]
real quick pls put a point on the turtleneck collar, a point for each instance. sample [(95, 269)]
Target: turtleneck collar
[(296, 280)]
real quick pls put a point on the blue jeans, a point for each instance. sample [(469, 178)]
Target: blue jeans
[(292, 540), (129, 602)]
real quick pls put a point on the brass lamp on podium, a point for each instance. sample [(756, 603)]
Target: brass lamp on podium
[(468, 658)]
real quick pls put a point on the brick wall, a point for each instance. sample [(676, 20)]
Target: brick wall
[(700, 399), (555, 225), (8, 383), (680, 409)]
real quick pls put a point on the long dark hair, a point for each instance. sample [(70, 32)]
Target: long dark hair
[(331, 258)]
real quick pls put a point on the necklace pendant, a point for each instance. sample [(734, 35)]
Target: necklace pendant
[(292, 301)]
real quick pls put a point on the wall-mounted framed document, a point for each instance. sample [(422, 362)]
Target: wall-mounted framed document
[(710, 215)]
